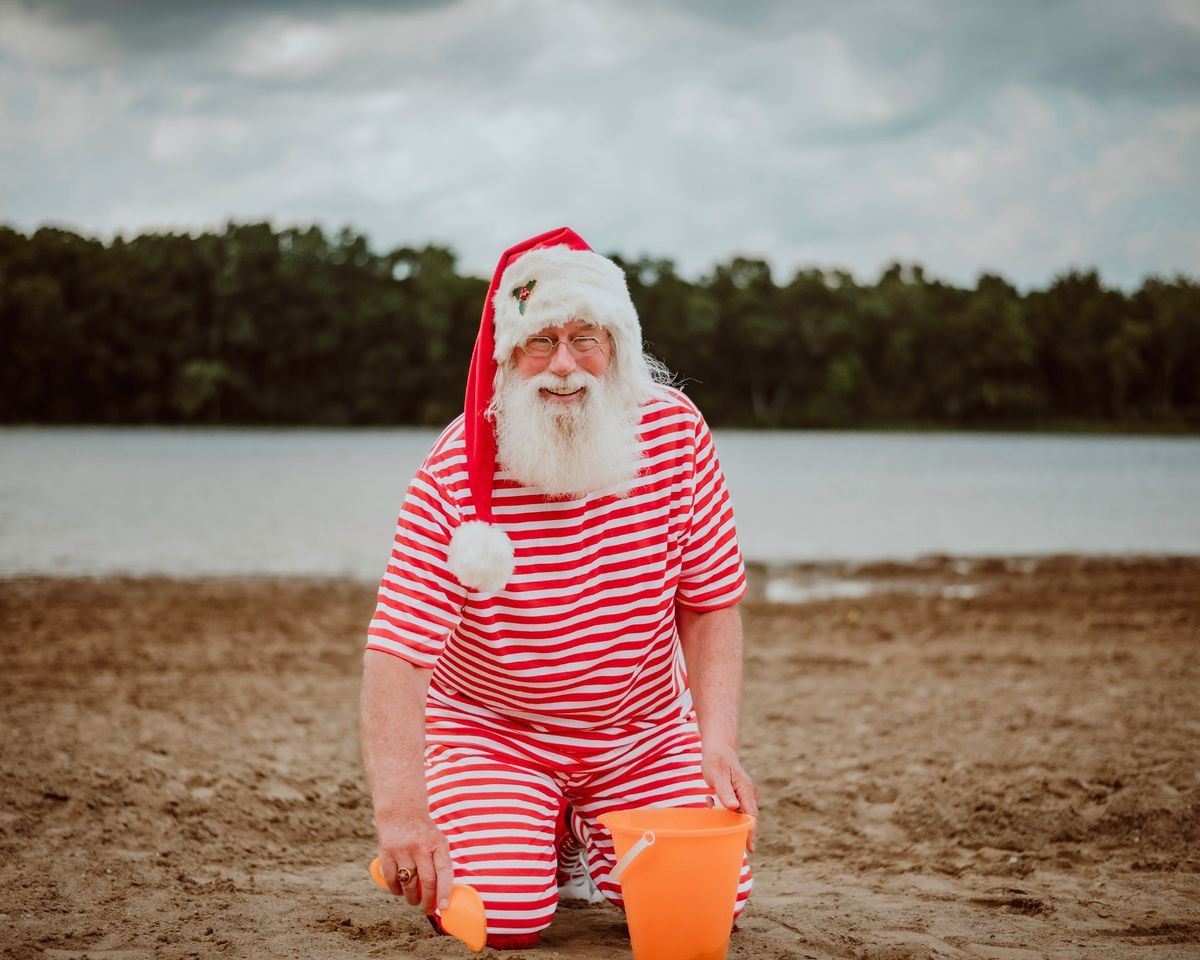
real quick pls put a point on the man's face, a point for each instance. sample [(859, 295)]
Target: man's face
[(562, 361), (563, 423)]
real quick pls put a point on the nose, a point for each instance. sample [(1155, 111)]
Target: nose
[(562, 360)]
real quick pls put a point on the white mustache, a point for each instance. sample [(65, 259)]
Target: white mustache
[(551, 381)]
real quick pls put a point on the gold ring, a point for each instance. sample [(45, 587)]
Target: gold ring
[(403, 876)]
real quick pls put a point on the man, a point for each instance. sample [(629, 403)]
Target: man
[(562, 590)]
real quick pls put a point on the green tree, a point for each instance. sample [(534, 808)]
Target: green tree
[(257, 325)]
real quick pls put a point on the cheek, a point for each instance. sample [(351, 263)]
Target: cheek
[(525, 365), (597, 366)]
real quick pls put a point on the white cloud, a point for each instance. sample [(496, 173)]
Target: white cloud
[(42, 41), (828, 135), (1186, 13), (284, 48), (176, 139)]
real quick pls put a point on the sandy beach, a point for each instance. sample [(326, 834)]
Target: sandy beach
[(994, 759)]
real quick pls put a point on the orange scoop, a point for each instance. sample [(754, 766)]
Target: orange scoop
[(462, 917)]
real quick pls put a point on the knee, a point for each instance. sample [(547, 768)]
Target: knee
[(518, 911)]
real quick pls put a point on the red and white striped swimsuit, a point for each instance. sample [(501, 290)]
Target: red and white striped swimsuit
[(569, 681)]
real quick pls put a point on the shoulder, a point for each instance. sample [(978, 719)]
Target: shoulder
[(671, 402), (672, 407), (446, 461)]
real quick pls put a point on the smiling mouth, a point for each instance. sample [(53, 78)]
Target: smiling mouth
[(550, 391)]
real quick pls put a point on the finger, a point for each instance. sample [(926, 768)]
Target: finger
[(412, 889), (428, 884), (752, 812), (723, 788), (390, 867), (748, 796), (445, 875), (412, 892)]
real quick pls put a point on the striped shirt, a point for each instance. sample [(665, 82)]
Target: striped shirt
[(583, 635)]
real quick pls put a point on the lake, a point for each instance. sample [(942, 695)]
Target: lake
[(322, 502)]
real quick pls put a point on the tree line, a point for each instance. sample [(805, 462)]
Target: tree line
[(255, 325)]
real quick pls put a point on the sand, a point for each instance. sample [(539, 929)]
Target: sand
[(1009, 775)]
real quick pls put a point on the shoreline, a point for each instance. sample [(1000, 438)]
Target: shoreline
[(965, 566), (1009, 775), (1182, 427)]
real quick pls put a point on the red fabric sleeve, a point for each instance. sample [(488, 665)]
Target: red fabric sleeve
[(420, 601), (713, 574)]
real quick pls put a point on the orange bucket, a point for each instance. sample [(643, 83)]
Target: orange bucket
[(678, 870)]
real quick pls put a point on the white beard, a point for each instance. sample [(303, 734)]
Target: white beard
[(583, 447)]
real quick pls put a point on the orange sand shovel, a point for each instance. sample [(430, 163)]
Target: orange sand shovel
[(463, 915)]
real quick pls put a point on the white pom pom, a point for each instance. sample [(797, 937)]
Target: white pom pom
[(481, 556)]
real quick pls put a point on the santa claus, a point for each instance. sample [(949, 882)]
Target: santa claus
[(556, 635)]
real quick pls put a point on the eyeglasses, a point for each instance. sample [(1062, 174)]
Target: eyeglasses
[(545, 346)]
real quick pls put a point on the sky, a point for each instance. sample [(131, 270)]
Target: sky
[(1023, 138)]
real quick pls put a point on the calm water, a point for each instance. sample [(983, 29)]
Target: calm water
[(323, 502)]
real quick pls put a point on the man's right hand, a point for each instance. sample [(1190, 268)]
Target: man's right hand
[(416, 843)]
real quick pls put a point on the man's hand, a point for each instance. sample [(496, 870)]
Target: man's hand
[(415, 843), (732, 785)]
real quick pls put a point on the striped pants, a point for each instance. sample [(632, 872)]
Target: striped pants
[(496, 792)]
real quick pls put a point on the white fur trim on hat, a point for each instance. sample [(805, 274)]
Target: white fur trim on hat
[(566, 284), (481, 556)]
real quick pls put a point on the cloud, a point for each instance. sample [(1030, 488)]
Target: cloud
[(140, 26), (43, 42), (1021, 139)]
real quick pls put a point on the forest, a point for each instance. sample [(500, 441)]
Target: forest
[(258, 325)]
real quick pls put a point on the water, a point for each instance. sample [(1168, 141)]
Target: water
[(863, 496), (322, 502)]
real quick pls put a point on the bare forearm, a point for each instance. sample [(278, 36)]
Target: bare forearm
[(712, 650), (392, 731), (392, 728)]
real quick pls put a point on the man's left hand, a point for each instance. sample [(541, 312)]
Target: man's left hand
[(732, 785)]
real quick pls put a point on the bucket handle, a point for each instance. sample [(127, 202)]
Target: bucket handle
[(646, 840)]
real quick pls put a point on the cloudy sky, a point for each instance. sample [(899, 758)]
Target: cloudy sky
[(1019, 137)]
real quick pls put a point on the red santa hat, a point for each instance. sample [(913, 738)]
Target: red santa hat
[(543, 282)]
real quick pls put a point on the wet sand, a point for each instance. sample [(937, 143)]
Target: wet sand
[(1003, 763)]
